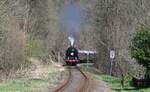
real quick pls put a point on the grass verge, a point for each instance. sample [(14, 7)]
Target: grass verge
[(41, 79), (113, 82), (23, 85)]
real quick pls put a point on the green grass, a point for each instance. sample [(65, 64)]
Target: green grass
[(113, 82), (29, 84), (23, 85)]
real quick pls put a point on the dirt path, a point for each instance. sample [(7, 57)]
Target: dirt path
[(74, 82), (77, 82), (99, 86)]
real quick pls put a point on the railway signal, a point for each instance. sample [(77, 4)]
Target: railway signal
[(112, 56)]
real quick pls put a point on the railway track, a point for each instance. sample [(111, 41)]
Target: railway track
[(85, 85), (80, 87)]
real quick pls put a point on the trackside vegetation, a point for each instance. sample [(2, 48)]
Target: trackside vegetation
[(113, 82), (43, 78), (140, 48)]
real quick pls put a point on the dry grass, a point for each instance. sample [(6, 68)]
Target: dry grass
[(37, 79)]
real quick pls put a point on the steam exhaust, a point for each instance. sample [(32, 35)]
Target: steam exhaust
[(71, 39)]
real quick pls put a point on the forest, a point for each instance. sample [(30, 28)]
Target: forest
[(34, 33)]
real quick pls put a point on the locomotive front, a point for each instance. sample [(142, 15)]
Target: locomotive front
[(71, 56)]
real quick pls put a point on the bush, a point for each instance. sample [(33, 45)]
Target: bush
[(35, 48), (12, 46), (12, 51), (140, 48)]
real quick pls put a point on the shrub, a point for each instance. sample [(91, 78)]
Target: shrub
[(140, 48)]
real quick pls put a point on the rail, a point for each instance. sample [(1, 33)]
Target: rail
[(82, 87), (64, 85)]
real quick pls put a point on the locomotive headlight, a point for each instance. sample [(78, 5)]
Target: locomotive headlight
[(72, 54)]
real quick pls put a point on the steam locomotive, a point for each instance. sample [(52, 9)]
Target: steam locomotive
[(74, 56), (71, 57)]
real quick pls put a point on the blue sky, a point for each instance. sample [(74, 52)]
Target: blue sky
[(71, 18)]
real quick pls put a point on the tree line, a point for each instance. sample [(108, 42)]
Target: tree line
[(31, 28)]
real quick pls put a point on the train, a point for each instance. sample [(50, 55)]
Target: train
[(74, 56), (71, 57), (87, 56)]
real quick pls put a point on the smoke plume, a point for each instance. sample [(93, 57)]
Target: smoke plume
[(71, 39)]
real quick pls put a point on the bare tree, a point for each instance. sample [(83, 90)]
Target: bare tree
[(114, 22)]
